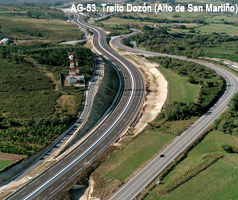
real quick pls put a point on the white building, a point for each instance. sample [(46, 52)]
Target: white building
[(4, 41), (73, 79)]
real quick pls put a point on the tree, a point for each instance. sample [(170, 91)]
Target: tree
[(233, 105)]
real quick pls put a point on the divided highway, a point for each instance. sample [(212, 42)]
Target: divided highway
[(57, 176), (137, 184)]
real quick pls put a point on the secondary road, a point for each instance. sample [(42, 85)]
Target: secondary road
[(57, 176), (137, 184)]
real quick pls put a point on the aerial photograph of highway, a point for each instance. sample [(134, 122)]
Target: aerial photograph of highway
[(119, 100)]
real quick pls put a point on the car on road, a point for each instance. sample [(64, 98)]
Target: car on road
[(161, 155)]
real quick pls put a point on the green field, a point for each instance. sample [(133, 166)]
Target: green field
[(24, 28), (35, 22), (4, 163), (141, 149), (218, 28), (219, 181), (179, 88)]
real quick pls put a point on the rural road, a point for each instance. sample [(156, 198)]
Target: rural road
[(137, 184), (57, 176)]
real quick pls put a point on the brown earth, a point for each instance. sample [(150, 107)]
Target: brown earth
[(11, 157)]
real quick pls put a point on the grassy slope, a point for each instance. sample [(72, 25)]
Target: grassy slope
[(180, 89), (133, 156), (219, 181), (23, 28), (4, 163)]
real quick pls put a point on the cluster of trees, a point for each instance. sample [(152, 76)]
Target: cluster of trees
[(25, 92), (26, 32), (51, 54), (180, 111), (59, 57), (211, 86), (160, 40), (228, 122), (28, 140)]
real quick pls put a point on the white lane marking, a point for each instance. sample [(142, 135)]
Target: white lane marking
[(74, 174), (23, 193), (58, 187), (37, 182)]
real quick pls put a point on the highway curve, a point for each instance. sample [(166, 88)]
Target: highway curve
[(136, 185), (57, 176)]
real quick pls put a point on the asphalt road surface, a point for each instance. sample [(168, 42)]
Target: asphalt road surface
[(137, 184), (57, 176)]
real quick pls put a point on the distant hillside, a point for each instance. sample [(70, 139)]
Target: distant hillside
[(34, 1)]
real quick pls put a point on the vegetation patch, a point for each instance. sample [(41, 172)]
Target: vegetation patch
[(189, 173), (180, 89), (28, 21), (228, 122), (4, 163), (137, 152), (116, 30)]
